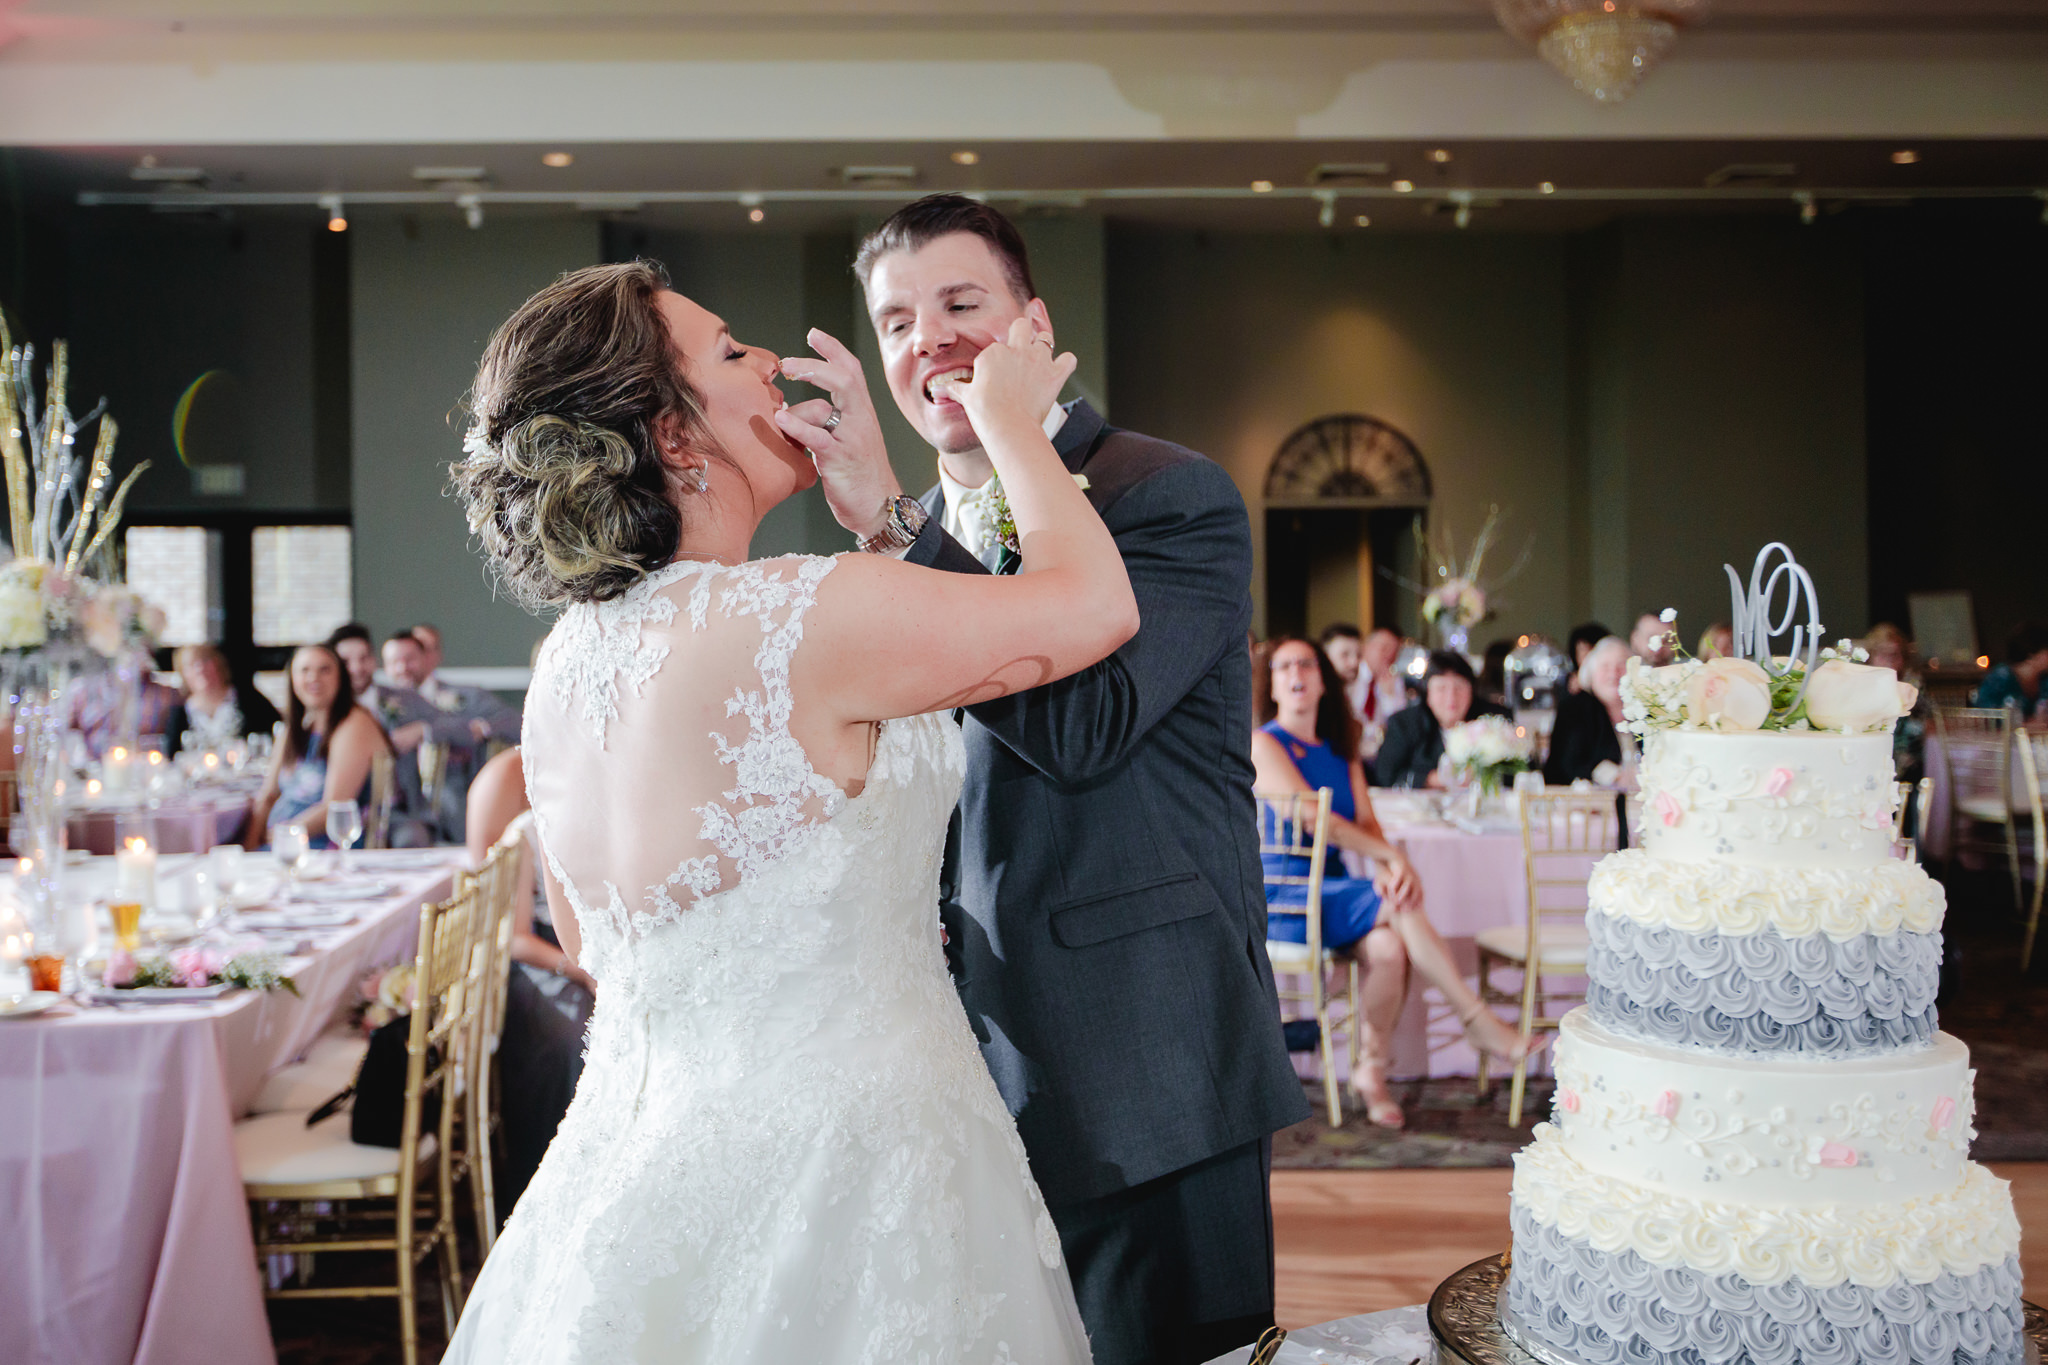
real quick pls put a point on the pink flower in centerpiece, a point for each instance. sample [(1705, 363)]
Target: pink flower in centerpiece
[(1835, 1155), (1667, 808), (1667, 1105), (120, 968), (1779, 782), (1944, 1110), (1569, 1100), (196, 967)]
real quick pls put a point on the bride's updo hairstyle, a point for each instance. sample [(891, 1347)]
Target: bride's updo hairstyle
[(563, 481)]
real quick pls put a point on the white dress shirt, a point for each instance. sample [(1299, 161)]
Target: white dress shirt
[(965, 516)]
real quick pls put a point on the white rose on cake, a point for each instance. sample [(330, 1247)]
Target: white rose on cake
[(1728, 694), (1854, 697)]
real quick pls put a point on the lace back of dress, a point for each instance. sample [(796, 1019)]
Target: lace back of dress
[(658, 754)]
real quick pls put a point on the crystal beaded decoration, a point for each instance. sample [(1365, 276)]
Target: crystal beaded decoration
[(1603, 47)]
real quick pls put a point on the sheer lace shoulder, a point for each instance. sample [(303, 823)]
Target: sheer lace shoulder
[(679, 687)]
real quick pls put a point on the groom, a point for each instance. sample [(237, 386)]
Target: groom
[(1103, 894)]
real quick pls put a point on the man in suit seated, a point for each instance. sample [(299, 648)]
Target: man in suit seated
[(486, 717)]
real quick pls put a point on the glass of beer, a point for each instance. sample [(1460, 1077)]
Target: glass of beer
[(127, 917)]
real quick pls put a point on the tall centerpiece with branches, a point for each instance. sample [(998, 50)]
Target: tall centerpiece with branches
[(61, 614)]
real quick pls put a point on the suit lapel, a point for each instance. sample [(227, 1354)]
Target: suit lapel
[(1075, 441)]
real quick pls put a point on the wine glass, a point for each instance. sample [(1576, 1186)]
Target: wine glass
[(344, 827), (290, 844)]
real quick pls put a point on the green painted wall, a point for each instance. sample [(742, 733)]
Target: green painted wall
[(425, 297)]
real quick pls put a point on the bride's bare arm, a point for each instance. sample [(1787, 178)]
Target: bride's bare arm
[(896, 639)]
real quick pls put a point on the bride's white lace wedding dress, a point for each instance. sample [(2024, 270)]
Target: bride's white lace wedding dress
[(786, 1146)]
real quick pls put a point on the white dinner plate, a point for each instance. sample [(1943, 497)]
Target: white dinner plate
[(406, 858), (27, 1006), (158, 995), (292, 917), (345, 891)]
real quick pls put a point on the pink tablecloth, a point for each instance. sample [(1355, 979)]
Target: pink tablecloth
[(120, 1202), (185, 824)]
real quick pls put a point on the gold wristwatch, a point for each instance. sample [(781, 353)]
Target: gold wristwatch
[(905, 522)]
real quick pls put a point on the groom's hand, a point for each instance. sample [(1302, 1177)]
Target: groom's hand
[(852, 460)]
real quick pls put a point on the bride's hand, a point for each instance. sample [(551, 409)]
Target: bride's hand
[(853, 462), (1016, 380)]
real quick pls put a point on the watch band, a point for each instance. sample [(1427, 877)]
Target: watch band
[(905, 523)]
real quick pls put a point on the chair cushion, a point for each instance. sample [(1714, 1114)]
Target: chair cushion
[(330, 1066), (279, 1149), (1988, 809), (1292, 957), (1561, 947)]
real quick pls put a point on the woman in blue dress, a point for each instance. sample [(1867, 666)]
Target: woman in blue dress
[(1309, 740), (324, 752)]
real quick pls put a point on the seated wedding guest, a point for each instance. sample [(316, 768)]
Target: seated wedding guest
[(406, 719), (1650, 641), (1344, 647), (95, 707), (1414, 745), (547, 999), (325, 752), (1887, 647), (1492, 684), (1716, 642), (1585, 743), (477, 707), (1582, 639), (1306, 742), (2017, 681), (215, 709), (412, 720)]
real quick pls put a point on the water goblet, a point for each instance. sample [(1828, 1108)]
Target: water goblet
[(344, 827), (288, 842)]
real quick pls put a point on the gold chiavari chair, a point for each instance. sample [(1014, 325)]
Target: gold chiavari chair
[(2030, 779), (312, 1190), (498, 882), (1563, 835), (383, 795), (10, 803), (1976, 749), (1296, 825)]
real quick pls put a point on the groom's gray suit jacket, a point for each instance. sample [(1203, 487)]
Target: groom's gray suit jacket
[(1103, 892)]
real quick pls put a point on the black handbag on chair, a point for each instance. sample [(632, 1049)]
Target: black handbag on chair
[(378, 1119)]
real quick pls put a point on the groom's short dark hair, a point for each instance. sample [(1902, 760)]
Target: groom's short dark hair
[(937, 215)]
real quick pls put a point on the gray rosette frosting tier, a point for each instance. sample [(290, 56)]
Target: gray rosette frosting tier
[(1618, 1309), (1763, 992)]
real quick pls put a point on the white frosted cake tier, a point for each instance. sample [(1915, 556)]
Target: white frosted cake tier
[(1888, 897), (1777, 798), (1763, 1133)]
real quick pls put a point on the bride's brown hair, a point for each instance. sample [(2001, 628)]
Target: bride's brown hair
[(563, 483)]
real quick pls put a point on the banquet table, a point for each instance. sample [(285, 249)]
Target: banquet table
[(120, 1200), (191, 822), (1472, 879)]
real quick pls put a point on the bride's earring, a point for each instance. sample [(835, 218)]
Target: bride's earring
[(702, 484)]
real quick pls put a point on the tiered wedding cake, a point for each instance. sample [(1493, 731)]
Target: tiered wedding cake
[(1758, 1149)]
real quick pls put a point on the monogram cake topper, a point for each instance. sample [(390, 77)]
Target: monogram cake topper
[(1754, 628)]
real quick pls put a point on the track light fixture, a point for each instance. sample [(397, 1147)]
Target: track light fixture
[(337, 221)]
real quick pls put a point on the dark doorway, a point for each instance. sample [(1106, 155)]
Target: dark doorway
[(1332, 563)]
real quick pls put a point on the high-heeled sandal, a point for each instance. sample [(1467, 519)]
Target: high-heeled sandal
[(1519, 1051), (1384, 1112)]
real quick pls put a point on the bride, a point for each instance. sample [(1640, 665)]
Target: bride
[(785, 1145)]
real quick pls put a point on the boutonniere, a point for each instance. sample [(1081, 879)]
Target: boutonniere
[(1002, 525)]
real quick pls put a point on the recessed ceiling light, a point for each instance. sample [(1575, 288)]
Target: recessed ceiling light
[(963, 157), (1440, 155), (336, 222), (756, 215), (1546, 187), (1905, 156), (1404, 186), (1262, 187), (442, 174), (558, 159), (1362, 220)]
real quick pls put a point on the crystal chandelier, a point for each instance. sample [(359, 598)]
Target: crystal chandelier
[(1604, 47)]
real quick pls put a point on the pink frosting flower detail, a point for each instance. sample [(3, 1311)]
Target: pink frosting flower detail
[(1667, 1105), (1569, 1099), (1944, 1110), (1834, 1154), (1779, 782), (1667, 808)]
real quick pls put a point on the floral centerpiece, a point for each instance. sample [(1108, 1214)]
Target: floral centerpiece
[(1488, 752), (59, 613), (1808, 688), (197, 967), (1454, 595)]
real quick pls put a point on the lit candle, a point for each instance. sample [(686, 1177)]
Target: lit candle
[(116, 770), (135, 871)]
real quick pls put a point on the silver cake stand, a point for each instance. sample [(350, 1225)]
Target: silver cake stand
[(1465, 1319)]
